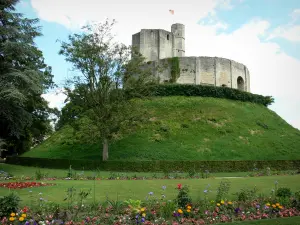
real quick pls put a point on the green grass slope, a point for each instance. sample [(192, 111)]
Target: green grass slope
[(187, 128)]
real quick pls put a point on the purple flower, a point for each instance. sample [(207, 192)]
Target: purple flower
[(176, 214), (257, 206), (164, 187), (143, 220), (205, 191), (150, 193), (237, 210)]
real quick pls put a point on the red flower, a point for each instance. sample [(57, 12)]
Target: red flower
[(25, 209), (17, 185), (179, 186)]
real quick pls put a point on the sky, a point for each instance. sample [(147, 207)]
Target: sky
[(264, 35)]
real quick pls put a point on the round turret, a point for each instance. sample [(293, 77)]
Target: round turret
[(178, 31)]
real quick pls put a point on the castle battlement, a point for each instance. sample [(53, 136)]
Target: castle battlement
[(159, 46), (155, 44)]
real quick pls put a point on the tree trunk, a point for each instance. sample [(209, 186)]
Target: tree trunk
[(105, 150)]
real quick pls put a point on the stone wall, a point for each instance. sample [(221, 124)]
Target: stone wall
[(154, 44), (213, 71)]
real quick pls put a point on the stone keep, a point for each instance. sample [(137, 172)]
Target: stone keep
[(160, 46)]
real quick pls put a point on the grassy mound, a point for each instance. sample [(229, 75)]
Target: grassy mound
[(187, 128)]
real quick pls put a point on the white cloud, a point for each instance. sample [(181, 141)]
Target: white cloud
[(290, 33), (55, 98), (272, 71), (295, 15)]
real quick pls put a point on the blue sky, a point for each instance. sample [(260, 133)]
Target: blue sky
[(262, 34)]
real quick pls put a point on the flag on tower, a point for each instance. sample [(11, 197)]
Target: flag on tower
[(171, 11)]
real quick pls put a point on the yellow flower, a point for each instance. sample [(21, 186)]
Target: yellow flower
[(268, 204), (21, 218), (180, 211), (274, 206), (142, 209), (280, 207), (188, 210), (189, 207), (144, 215), (12, 214), (23, 215), (222, 202), (277, 204), (11, 218), (229, 203), (218, 204)]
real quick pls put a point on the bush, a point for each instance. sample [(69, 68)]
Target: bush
[(183, 198), (284, 192), (9, 204), (204, 91), (153, 166), (247, 194)]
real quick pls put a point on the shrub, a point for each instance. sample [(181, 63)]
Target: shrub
[(40, 175), (153, 166), (223, 190), (204, 91), (9, 204), (296, 200), (284, 192), (246, 194), (183, 198)]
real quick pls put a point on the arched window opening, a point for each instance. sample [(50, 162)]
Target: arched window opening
[(167, 37), (240, 84)]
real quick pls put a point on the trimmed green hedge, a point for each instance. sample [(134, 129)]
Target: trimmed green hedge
[(205, 91), (156, 166)]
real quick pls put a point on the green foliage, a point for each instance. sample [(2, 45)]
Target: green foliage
[(175, 69), (153, 166), (218, 129), (208, 91), (284, 192), (9, 204), (247, 194), (296, 200), (105, 72), (24, 114), (223, 190), (39, 175), (183, 197)]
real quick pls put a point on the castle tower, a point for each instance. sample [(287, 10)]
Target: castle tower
[(178, 31)]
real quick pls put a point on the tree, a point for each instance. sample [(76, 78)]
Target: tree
[(24, 76), (106, 72)]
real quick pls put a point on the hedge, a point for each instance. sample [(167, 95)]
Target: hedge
[(156, 166), (204, 91)]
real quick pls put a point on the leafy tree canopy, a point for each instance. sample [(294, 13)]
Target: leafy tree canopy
[(24, 76)]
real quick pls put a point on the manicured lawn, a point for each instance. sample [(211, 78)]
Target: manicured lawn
[(281, 221), (139, 189)]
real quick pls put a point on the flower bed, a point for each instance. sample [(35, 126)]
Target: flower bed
[(157, 210), (21, 185)]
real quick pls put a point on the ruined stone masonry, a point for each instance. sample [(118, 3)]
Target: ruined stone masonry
[(160, 46)]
